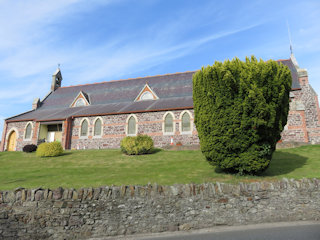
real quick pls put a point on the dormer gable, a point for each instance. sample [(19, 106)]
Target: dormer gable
[(81, 100), (146, 94)]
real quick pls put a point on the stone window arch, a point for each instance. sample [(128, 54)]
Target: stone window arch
[(168, 126), (11, 131), (84, 128), (186, 122), (147, 96), (28, 131), (97, 127), (132, 125), (80, 103)]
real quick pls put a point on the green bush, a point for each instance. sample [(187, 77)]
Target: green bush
[(141, 144), (240, 111), (51, 149)]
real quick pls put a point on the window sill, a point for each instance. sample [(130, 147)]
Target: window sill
[(131, 135), (97, 137), (186, 133), (168, 133)]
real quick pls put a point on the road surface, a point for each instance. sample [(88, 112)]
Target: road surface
[(270, 231)]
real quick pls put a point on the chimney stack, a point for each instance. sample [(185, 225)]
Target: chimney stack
[(36, 103)]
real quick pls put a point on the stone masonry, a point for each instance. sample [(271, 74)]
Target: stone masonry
[(110, 211), (114, 129)]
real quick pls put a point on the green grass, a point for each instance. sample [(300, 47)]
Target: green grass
[(94, 168)]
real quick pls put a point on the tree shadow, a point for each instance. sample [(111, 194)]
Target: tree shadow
[(284, 163), (281, 163), (156, 150), (66, 153)]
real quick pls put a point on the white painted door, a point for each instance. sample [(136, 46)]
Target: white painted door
[(50, 137)]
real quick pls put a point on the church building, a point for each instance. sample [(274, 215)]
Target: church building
[(99, 115)]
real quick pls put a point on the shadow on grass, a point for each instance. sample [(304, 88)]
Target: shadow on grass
[(282, 163), (156, 150), (65, 153)]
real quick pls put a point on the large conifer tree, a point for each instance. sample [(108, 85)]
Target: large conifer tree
[(240, 111)]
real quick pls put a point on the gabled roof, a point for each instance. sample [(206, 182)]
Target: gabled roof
[(115, 97), (146, 89), (81, 95)]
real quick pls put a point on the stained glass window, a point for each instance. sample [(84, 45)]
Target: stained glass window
[(28, 131), (132, 125), (186, 125), (168, 123), (97, 127), (84, 128)]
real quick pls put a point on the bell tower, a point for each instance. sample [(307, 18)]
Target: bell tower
[(56, 79)]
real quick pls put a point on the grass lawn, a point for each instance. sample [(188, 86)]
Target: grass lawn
[(84, 168)]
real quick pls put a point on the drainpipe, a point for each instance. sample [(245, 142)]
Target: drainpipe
[(3, 136)]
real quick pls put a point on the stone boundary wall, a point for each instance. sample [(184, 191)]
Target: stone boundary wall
[(109, 211)]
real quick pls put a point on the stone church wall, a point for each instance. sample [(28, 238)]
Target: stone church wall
[(110, 211), (114, 129), (304, 117), (19, 128)]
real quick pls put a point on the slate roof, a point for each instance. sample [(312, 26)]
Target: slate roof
[(294, 73), (116, 97)]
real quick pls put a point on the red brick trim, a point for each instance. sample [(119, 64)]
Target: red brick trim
[(67, 133), (132, 112), (3, 139), (35, 133), (304, 126)]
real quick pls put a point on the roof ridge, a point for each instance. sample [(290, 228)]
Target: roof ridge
[(128, 79), (279, 60)]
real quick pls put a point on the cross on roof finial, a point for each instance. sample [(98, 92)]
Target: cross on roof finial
[(58, 65)]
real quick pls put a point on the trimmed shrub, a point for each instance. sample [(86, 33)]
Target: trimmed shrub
[(240, 111), (51, 149), (30, 148), (141, 144)]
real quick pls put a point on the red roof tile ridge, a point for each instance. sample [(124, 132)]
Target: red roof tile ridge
[(79, 85), (280, 60)]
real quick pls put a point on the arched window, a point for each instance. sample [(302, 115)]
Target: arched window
[(80, 102), (132, 128), (84, 128), (97, 127), (147, 96), (168, 123), (27, 134), (185, 123)]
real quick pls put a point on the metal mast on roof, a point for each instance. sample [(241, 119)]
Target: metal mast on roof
[(289, 34)]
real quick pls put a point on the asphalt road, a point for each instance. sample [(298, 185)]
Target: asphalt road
[(271, 231)]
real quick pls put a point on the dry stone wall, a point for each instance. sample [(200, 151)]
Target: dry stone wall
[(109, 211)]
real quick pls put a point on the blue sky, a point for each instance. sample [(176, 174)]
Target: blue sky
[(116, 39)]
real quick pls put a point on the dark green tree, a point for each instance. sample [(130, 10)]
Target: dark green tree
[(240, 110)]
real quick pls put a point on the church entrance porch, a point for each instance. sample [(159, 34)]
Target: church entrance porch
[(50, 132)]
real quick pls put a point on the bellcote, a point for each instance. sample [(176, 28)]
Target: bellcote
[(56, 80)]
